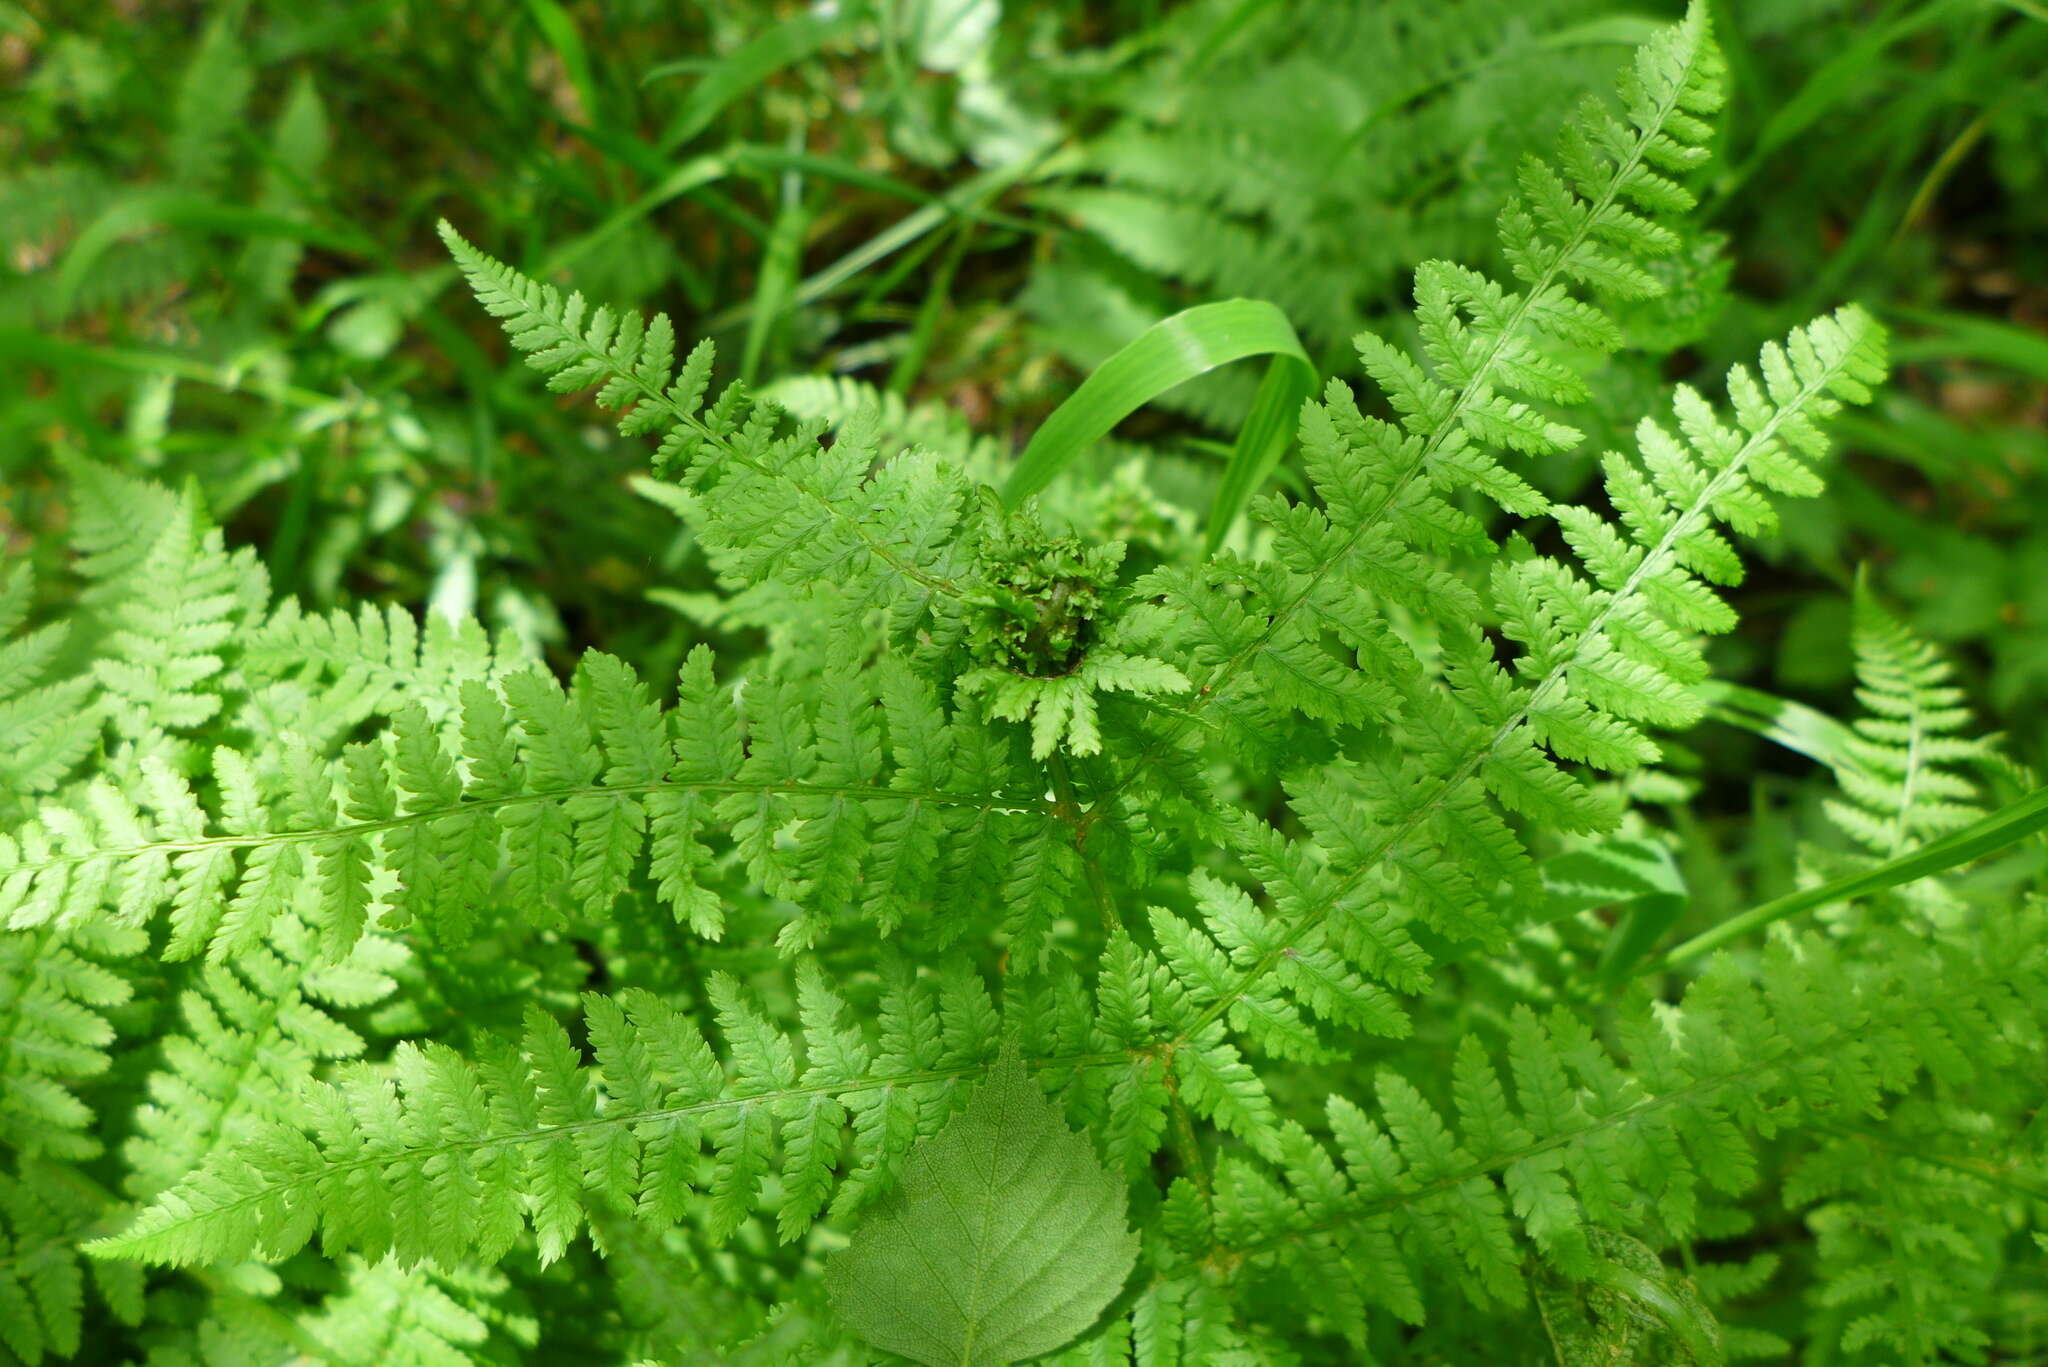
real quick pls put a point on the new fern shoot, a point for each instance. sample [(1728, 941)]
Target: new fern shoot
[(1027, 935)]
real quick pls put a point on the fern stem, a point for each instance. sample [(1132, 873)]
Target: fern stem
[(1187, 1147), (1067, 808)]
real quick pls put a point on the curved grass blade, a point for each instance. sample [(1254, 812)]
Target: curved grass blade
[(562, 35), (1169, 353), (2007, 826), (1794, 725)]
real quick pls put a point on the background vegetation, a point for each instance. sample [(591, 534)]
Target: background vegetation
[(219, 269)]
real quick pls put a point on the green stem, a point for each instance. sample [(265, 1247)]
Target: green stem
[(1067, 807)]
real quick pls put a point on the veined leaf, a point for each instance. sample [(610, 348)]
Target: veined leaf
[(1005, 1240)]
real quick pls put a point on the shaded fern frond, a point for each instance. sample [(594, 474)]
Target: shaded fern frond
[(385, 1315), (167, 601), (44, 1277), (55, 993), (44, 717), (1905, 787)]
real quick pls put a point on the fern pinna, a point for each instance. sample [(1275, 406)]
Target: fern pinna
[(505, 988)]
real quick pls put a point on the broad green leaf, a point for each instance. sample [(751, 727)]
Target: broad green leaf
[(1004, 1240)]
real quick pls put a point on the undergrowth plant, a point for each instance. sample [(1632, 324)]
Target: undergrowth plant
[(1055, 941)]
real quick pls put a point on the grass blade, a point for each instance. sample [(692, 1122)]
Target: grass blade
[(2002, 828), (1794, 725), (1169, 353), (754, 62)]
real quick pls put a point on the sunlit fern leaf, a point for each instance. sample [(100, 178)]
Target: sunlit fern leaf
[(560, 795), (43, 714)]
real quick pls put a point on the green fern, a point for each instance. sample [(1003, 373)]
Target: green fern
[(462, 1156), (427, 1005), (558, 796), (1903, 785), (38, 707)]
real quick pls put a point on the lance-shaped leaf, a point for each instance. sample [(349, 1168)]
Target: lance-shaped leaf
[(1004, 1240)]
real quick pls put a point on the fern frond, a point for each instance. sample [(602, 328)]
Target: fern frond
[(1905, 787), (1629, 1140), (437, 1157), (385, 1315), (1932, 1187), (43, 1276), (55, 991), (317, 675), (167, 599), (256, 1033), (1493, 352), (899, 426), (45, 718), (767, 504), (556, 795), (1606, 649)]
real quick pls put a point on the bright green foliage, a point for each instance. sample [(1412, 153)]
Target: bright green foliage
[(1004, 1239), (35, 709), (1646, 1138), (451, 1157), (988, 933), (44, 1276), (563, 796)]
